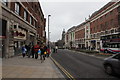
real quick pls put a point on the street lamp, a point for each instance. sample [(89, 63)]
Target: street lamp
[(48, 31)]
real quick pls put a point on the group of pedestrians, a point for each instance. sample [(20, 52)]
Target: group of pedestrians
[(35, 51)]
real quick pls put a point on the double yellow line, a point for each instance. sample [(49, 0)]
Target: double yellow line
[(63, 70)]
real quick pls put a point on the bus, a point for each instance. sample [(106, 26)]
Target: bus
[(110, 43)]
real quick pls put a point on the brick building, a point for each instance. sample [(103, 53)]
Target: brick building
[(80, 36), (104, 22), (22, 23)]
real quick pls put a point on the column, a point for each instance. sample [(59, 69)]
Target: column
[(10, 39)]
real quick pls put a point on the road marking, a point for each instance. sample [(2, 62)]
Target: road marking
[(63, 70)]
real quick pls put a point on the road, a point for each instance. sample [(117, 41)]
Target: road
[(80, 65)]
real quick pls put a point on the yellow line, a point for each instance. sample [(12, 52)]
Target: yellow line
[(60, 67), (66, 73)]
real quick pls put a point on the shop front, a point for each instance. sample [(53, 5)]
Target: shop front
[(19, 39)]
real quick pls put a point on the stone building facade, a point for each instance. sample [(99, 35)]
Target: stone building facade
[(21, 22), (70, 38), (80, 36)]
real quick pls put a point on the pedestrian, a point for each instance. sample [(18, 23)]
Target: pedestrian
[(36, 48), (48, 52), (45, 50), (32, 51), (56, 48), (39, 52), (29, 50), (42, 55), (23, 51)]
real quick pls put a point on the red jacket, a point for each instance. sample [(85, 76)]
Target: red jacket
[(48, 51), (36, 48)]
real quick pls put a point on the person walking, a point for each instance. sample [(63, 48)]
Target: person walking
[(45, 51), (42, 55), (26, 46), (23, 51), (56, 48), (29, 50), (32, 51), (48, 52), (36, 48)]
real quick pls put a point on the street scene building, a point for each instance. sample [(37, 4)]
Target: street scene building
[(88, 50), (61, 43), (70, 38), (22, 23), (104, 22)]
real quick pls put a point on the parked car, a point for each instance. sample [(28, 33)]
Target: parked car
[(112, 64)]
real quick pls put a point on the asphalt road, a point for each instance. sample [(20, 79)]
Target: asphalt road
[(80, 65)]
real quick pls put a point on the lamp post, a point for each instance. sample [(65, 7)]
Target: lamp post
[(48, 31)]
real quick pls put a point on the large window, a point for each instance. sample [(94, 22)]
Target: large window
[(17, 8)]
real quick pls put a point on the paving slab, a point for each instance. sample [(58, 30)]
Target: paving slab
[(19, 67)]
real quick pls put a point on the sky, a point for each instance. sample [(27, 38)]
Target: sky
[(67, 13)]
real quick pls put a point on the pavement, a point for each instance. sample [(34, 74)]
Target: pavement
[(19, 67)]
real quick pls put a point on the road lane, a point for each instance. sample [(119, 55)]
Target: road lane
[(80, 65)]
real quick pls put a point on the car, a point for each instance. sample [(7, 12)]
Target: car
[(112, 64)]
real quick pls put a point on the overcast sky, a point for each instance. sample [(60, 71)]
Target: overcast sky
[(68, 13)]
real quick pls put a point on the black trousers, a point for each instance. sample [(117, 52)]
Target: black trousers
[(42, 57), (32, 54), (36, 55), (23, 54)]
